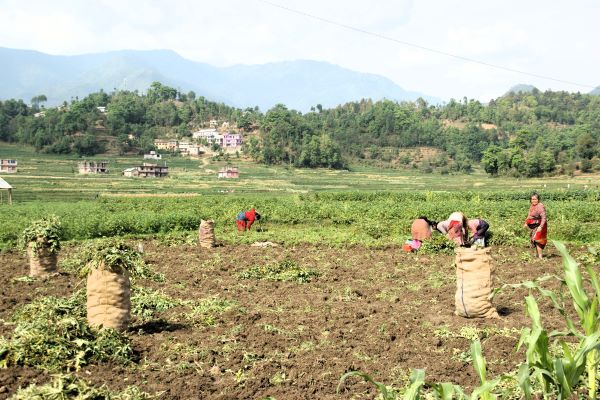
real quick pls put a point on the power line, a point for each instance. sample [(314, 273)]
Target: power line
[(429, 49)]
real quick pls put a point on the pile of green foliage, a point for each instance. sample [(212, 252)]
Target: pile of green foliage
[(45, 232), (146, 303), (438, 244), (72, 387), (53, 334), (114, 254), (286, 270)]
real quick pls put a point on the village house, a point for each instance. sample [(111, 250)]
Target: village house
[(152, 156), (229, 172), (210, 135), (191, 149), (213, 123), (8, 166), (147, 170), (93, 167), (102, 109), (166, 144), (231, 140)]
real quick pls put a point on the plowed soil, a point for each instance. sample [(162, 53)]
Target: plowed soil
[(380, 311)]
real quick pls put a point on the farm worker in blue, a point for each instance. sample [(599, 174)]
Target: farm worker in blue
[(245, 219)]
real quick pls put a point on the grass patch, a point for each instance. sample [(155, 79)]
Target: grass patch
[(146, 303), (287, 270), (206, 310)]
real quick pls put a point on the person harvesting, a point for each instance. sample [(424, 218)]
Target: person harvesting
[(537, 224), (245, 219)]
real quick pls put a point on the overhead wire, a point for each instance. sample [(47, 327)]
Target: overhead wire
[(418, 46)]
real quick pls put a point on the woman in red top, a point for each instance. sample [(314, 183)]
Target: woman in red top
[(536, 222), (245, 219)]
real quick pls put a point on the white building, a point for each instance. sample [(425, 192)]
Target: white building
[(152, 156)]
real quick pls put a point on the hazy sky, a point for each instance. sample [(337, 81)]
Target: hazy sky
[(558, 39)]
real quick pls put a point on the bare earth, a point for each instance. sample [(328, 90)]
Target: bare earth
[(381, 311)]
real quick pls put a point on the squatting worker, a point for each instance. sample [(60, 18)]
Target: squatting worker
[(537, 224), (421, 229), (455, 228), (478, 228), (245, 219)]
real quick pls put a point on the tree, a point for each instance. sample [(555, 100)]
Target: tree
[(587, 146), (36, 100)]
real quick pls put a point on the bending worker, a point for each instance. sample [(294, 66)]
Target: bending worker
[(455, 228), (478, 228), (420, 230), (245, 219)]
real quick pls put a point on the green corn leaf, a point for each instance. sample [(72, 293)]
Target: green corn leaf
[(561, 379), (380, 386), (574, 280), (483, 392), (447, 391), (523, 379), (417, 379), (594, 279), (478, 360)]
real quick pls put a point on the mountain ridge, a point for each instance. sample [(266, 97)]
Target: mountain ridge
[(299, 84)]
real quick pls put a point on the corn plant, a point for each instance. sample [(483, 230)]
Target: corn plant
[(413, 392), (559, 376), (440, 391)]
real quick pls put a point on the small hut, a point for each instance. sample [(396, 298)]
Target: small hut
[(5, 186)]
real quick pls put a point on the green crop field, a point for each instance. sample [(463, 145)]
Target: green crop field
[(55, 178), (371, 207), (331, 296)]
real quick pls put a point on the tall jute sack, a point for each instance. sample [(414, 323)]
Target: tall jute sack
[(474, 274), (41, 261), (206, 233), (108, 298)]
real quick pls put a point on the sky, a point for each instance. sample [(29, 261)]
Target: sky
[(426, 46)]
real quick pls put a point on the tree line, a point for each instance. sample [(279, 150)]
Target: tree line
[(518, 134)]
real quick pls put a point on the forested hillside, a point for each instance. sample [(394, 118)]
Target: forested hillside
[(519, 134)]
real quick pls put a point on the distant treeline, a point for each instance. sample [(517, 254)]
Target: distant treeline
[(519, 134)]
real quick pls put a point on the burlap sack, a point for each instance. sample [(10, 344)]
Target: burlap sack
[(41, 261), (474, 283), (206, 233), (108, 299)]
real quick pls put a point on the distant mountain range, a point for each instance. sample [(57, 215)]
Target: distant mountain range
[(297, 84)]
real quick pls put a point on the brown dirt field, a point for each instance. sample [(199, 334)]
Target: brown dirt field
[(375, 310)]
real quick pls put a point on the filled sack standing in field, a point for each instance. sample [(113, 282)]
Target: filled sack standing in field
[(42, 261), (108, 298), (474, 283), (206, 233)]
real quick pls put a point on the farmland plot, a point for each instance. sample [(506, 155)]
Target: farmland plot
[(238, 321)]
